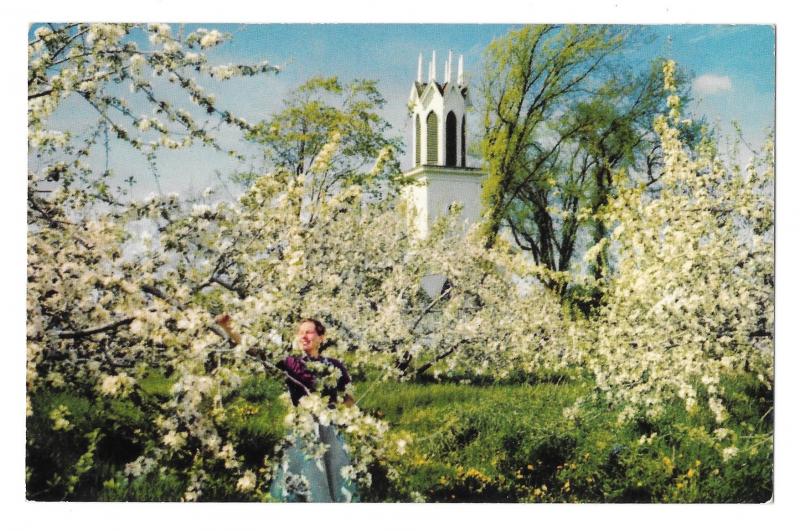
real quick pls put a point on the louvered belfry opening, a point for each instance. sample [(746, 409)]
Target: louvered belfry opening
[(417, 140), (464, 141), (432, 124), (451, 128)]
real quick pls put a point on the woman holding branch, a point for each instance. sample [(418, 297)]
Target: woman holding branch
[(302, 476)]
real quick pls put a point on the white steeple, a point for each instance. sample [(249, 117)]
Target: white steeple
[(439, 116), (419, 69)]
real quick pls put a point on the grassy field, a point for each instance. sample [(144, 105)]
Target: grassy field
[(512, 443), (479, 442)]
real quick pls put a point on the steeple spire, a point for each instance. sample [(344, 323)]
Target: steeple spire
[(419, 69), (432, 75), (461, 70), (448, 70)]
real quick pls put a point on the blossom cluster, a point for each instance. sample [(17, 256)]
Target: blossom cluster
[(691, 299)]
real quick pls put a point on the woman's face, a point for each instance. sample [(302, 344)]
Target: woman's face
[(308, 339)]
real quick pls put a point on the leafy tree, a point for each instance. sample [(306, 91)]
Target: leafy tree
[(346, 118), (561, 115)]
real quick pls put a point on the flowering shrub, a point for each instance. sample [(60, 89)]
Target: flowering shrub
[(691, 300)]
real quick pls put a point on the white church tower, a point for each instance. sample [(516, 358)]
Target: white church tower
[(438, 117)]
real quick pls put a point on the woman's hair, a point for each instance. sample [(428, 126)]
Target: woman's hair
[(318, 326)]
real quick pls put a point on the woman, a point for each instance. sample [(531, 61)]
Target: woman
[(301, 477)]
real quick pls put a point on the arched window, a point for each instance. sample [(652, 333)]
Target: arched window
[(451, 126), (417, 139), (432, 125), (464, 141)]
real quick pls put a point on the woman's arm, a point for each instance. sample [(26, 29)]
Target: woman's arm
[(234, 338), (343, 383)]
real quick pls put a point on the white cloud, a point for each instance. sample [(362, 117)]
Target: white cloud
[(711, 84)]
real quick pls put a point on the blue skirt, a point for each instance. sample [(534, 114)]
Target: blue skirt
[(302, 478)]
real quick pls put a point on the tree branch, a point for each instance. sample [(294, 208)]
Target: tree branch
[(79, 334)]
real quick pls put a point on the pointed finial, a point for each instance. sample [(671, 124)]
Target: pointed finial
[(448, 75), (419, 68), (433, 66), (461, 70)]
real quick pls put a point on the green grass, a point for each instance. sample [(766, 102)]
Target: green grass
[(512, 443), (475, 443), (466, 443)]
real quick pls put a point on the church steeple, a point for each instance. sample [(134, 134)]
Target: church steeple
[(440, 171), (439, 114)]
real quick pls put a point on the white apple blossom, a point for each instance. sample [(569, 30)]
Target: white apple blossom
[(116, 385), (692, 295), (247, 482), (211, 38)]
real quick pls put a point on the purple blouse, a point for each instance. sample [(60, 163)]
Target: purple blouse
[(296, 367)]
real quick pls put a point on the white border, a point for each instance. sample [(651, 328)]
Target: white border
[(236, 516)]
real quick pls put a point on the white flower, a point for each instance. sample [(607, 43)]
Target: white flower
[(200, 209), (401, 446), (161, 29), (224, 71), (729, 452), (137, 63), (247, 482), (119, 384), (56, 379), (212, 38), (721, 433), (137, 325), (228, 455), (175, 439), (275, 338)]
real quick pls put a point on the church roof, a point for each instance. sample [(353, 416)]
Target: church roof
[(440, 86), (419, 88)]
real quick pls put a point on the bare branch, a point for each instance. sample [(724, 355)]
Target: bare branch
[(79, 334)]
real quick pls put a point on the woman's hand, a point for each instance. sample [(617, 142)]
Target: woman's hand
[(226, 323)]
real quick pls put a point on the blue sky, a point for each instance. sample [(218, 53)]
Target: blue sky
[(733, 71)]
